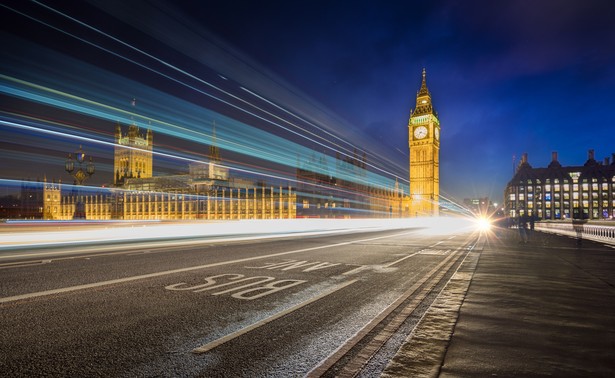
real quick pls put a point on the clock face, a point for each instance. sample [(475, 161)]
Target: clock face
[(437, 133), (420, 132)]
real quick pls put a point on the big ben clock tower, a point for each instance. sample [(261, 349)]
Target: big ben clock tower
[(424, 143)]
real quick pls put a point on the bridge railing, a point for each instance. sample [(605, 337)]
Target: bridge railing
[(577, 229)]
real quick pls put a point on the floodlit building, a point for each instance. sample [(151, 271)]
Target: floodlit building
[(132, 154), (563, 192), (424, 144), (206, 192)]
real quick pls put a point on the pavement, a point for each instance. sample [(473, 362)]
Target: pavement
[(545, 308)]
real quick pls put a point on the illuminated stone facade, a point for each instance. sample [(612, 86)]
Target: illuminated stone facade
[(557, 192), (424, 143), (206, 192), (132, 154)]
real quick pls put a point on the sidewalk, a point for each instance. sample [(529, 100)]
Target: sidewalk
[(546, 308)]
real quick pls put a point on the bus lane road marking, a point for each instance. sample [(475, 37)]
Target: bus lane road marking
[(211, 345), (182, 270)]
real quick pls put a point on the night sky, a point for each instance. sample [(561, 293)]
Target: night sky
[(506, 77)]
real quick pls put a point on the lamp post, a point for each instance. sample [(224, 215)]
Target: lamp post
[(80, 175)]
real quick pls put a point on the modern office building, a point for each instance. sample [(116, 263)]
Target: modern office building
[(563, 192)]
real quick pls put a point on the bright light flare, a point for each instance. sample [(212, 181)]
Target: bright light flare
[(483, 224)]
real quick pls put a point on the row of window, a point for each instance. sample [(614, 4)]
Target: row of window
[(557, 196), (566, 187)]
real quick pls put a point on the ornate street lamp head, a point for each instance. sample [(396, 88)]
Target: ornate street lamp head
[(89, 169), (80, 155), (69, 166)]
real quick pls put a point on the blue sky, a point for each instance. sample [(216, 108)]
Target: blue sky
[(506, 77)]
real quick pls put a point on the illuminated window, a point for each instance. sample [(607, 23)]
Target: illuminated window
[(512, 196), (605, 186), (575, 195), (547, 196), (548, 188), (530, 204), (575, 204), (521, 196), (306, 204), (585, 186), (566, 187), (594, 186), (566, 195), (556, 188), (530, 188), (586, 204)]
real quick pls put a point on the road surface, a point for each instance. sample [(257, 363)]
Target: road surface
[(316, 305)]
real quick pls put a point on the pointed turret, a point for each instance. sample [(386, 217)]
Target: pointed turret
[(423, 99), (214, 150)]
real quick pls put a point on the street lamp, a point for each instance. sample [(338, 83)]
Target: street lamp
[(80, 175)]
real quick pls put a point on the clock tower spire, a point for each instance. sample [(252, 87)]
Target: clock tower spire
[(424, 144)]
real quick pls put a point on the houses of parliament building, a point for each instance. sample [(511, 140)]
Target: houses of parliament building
[(208, 191)]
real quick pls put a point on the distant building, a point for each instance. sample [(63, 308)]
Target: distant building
[(10, 207), (206, 192), (479, 206), (559, 192), (328, 192)]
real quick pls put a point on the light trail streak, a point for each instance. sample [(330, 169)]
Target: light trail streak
[(262, 145), (345, 152), (243, 229), (187, 120)]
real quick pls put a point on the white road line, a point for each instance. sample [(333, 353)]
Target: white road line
[(400, 260), (209, 346), (181, 270), (356, 270)]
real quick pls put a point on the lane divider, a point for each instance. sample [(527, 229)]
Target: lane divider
[(211, 345)]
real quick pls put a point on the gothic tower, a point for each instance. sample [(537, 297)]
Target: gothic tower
[(424, 143), (133, 154), (52, 199)]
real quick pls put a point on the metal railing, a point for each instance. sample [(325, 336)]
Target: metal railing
[(583, 230)]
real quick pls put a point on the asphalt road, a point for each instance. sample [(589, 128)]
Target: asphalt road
[(280, 307)]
